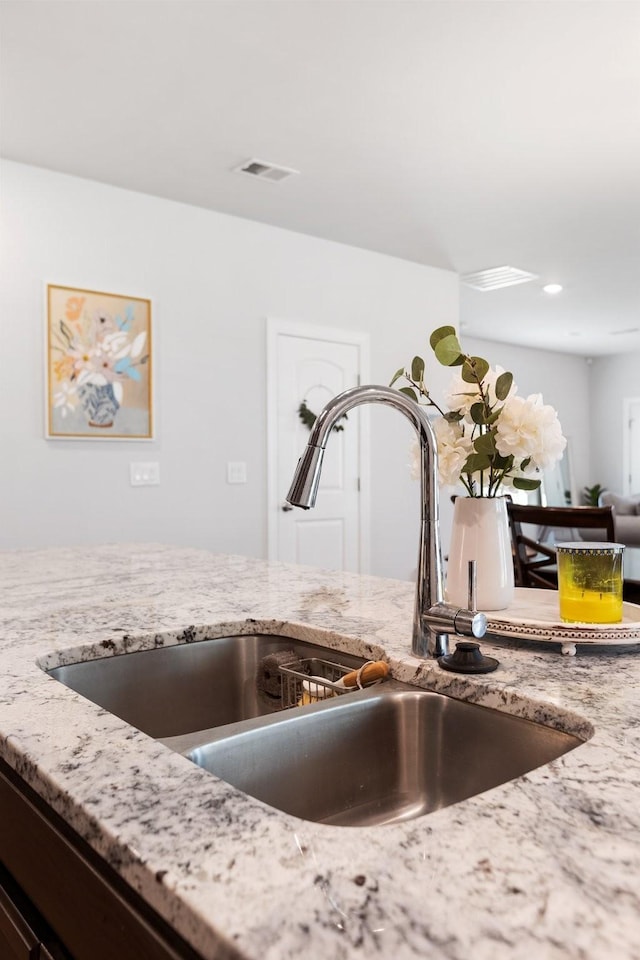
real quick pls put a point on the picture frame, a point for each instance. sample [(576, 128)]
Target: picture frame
[(99, 365)]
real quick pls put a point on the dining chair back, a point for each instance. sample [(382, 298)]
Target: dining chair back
[(534, 561)]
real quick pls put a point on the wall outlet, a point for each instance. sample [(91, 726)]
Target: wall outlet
[(236, 472), (144, 474)]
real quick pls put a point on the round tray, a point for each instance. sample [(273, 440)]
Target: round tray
[(534, 615)]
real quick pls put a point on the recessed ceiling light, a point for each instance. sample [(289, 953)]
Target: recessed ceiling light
[(497, 277), (552, 288), (262, 170)]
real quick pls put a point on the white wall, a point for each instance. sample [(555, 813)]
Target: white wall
[(564, 382), (212, 279), (613, 380)]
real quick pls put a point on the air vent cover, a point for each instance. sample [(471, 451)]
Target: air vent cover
[(497, 277), (261, 170)]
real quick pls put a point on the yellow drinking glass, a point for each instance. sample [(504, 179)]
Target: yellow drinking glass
[(590, 582)]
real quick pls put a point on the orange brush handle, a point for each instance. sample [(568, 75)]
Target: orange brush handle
[(370, 673)]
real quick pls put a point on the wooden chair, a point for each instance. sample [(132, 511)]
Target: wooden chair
[(531, 557)]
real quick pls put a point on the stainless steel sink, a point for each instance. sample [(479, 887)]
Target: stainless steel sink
[(190, 686), (378, 756), (384, 754)]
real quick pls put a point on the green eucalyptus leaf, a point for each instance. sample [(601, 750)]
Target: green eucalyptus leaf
[(467, 373), (409, 392), (521, 484), (503, 463), (440, 334), (476, 462), (485, 443), (503, 385), (474, 369), (399, 373), (525, 463), (448, 351), (417, 369), (477, 412), (491, 419), (453, 416)]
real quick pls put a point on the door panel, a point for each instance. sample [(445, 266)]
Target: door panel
[(634, 446), (321, 543)]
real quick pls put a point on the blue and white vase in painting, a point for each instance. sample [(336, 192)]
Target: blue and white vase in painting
[(99, 403)]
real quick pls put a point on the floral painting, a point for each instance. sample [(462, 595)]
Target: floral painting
[(98, 365)]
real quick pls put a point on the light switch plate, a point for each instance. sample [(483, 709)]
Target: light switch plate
[(144, 474), (236, 471)]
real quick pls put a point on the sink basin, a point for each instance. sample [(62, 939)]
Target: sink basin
[(176, 689), (384, 754), (381, 755)]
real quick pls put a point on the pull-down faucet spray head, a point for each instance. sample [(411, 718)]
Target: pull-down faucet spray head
[(304, 487)]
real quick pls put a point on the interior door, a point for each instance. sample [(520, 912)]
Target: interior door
[(309, 365), (633, 446)]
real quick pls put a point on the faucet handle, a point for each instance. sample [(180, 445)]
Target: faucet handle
[(470, 623), (445, 618)]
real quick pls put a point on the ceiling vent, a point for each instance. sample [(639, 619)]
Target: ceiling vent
[(261, 170), (497, 277)]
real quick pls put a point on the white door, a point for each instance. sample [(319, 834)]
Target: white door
[(631, 457), (310, 365)]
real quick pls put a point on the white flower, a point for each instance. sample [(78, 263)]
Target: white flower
[(453, 449), (115, 345), (529, 429), (66, 398), (461, 395)]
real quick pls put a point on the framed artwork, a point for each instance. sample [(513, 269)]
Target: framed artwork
[(99, 366)]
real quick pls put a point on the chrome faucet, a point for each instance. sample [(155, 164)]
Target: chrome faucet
[(433, 619)]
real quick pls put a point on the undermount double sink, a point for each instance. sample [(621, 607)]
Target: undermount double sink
[(387, 753)]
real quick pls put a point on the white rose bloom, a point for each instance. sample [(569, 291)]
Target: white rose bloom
[(453, 449), (530, 428), (461, 395)]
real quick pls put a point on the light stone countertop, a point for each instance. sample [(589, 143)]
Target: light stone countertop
[(547, 866)]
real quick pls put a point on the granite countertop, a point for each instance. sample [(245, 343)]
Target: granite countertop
[(547, 866)]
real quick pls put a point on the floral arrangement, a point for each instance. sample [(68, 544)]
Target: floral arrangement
[(489, 437), (91, 349)]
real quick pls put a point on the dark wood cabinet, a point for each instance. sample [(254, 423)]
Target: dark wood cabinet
[(18, 940), (24, 934), (56, 886)]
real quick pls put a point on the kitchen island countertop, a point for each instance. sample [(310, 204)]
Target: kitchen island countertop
[(546, 866)]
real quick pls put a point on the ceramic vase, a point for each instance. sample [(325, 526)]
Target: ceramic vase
[(480, 532)]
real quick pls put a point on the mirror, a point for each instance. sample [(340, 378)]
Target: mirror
[(558, 487)]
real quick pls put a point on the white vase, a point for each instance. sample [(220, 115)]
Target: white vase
[(480, 532)]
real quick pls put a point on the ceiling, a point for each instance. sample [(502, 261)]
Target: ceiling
[(463, 135)]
